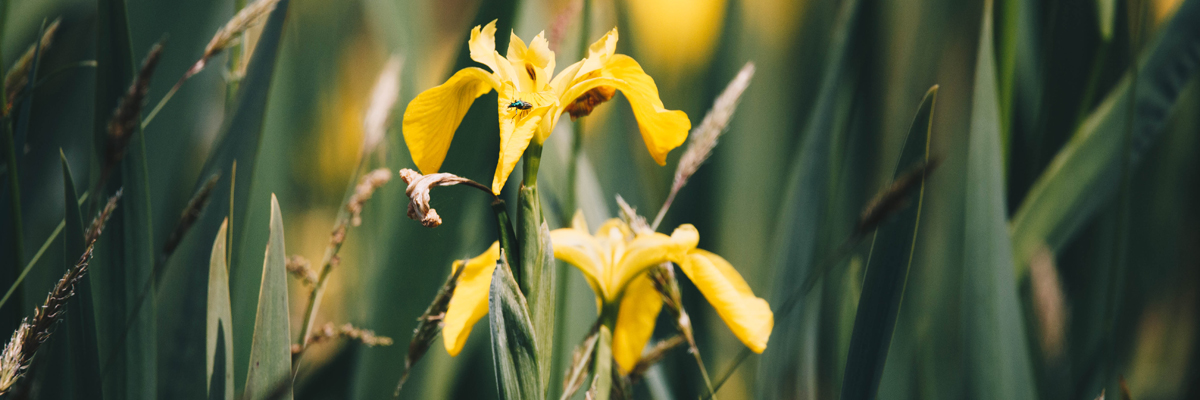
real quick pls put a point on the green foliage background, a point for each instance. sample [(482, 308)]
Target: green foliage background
[(1064, 127)]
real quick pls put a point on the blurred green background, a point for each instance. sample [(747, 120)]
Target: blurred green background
[(1108, 288)]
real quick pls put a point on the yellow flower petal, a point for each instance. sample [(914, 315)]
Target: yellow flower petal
[(483, 50), (578, 248), (469, 302), (432, 117), (598, 53), (517, 129), (650, 249), (662, 129), (749, 317), (635, 322)]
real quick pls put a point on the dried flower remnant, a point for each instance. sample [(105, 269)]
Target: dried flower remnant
[(383, 100), (189, 216), (301, 268), (418, 190), (34, 331), (367, 186), (18, 77)]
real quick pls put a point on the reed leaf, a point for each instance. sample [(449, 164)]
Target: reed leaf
[(271, 349)]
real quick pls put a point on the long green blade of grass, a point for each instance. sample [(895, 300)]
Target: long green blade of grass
[(81, 318), (1084, 175), (997, 354), (801, 212), (219, 331), (271, 349), (186, 274), (887, 271), (125, 256)]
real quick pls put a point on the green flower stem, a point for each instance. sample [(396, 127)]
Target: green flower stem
[(511, 252), (538, 272)]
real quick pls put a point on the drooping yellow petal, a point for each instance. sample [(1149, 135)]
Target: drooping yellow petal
[(662, 129), (635, 322), (650, 249), (517, 129), (432, 117), (469, 302), (749, 317), (578, 248)]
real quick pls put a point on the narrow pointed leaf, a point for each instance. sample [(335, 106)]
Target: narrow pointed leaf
[(887, 271), (514, 342), (1085, 174), (81, 320), (801, 210), (187, 271), (997, 353), (124, 257), (270, 351), (219, 331)]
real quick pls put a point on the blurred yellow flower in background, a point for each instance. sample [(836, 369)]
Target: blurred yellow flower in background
[(530, 102), (676, 36), (614, 262)]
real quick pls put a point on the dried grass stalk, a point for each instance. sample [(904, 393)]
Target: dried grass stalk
[(227, 36), (704, 137), (1049, 303), (655, 354), (581, 364), (895, 197), (18, 77), (429, 324), (126, 118), (301, 268), (346, 331), (189, 216), (33, 332), (383, 101), (367, 186)]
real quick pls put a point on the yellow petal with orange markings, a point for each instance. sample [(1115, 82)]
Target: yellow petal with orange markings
[(662, 129)]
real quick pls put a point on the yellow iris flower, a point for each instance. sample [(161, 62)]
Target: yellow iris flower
[(614, 261), (531, 101)]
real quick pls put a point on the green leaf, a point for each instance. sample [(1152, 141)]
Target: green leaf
[(538, 269), (219, 331), (186, 275), (997, 354), (887, 270), (271, 349), (514, 341), (81, 318), (802, 209), (1085, 174), (124, 258)]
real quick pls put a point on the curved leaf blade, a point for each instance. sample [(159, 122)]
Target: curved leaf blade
[(887, 271), (271, 349), (1085, 174), (219, 331)]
